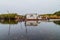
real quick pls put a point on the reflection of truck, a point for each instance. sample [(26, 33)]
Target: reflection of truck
[(31, 23)]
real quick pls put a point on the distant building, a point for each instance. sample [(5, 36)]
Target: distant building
[(35, 17), (31, 16), (42, 17)]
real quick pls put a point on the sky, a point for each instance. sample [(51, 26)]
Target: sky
[(29, 6)]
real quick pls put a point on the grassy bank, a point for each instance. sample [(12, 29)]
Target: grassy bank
[(15, 16), (11, 16)]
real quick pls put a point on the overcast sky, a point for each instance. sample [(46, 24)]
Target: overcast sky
[(29, 6)]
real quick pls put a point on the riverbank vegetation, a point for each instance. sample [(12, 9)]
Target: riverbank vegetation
[(11, 16), (15, 16), (55, 15)]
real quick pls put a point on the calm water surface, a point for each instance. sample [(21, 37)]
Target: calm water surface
[(23, 31)]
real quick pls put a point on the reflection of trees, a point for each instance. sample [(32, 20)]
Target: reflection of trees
[(57, 22), (9, 32), (9, 22)]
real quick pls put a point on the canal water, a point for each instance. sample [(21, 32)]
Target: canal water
[(30, 30)]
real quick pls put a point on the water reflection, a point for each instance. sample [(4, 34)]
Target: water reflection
[(31, 23), (10, 30), (27, 23), (8, 22), (57, 22)]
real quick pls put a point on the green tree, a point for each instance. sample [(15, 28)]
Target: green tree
[(57, 13)]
